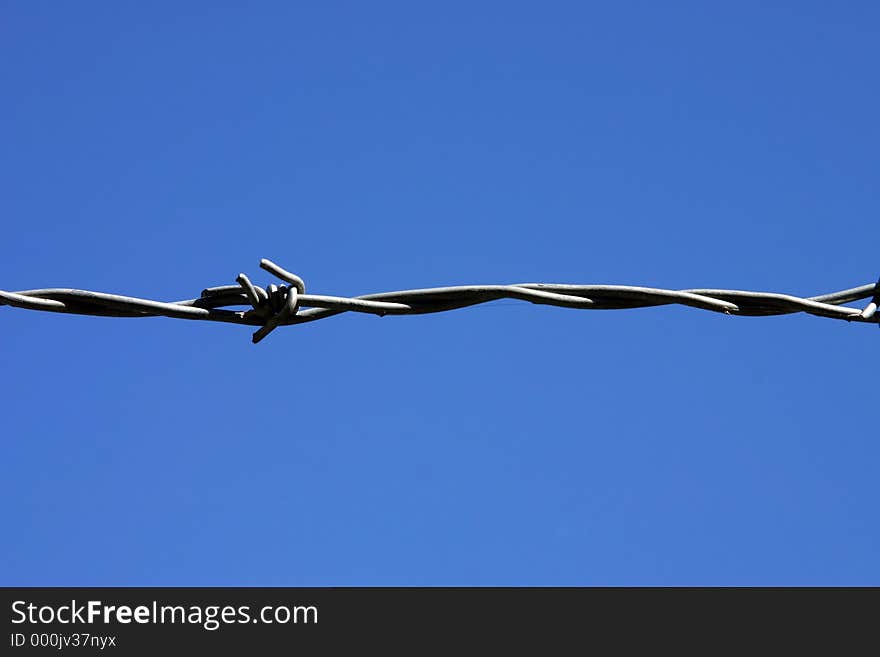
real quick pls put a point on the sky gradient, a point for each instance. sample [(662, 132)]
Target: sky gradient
[(154, 149)]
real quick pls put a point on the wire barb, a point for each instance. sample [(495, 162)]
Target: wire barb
[(289, 304), (871, 309)]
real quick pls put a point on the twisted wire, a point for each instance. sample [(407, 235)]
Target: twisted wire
[(288, 304)]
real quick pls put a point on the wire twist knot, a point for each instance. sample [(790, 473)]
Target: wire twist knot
[(276, 304)]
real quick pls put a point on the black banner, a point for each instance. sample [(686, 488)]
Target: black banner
[(126, 621)]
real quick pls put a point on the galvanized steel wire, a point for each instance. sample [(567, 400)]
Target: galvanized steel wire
[(288, 303)]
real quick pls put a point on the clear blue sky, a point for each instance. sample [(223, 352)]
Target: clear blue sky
[(154, 149)]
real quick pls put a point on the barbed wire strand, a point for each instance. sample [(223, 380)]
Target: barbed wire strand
[(288, 304)]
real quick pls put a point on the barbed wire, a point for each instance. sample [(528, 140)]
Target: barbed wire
[(285, 305)]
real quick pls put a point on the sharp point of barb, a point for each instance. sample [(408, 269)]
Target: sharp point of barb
[(283, 274)]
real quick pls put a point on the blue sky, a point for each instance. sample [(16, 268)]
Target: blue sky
[(154, 149)]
